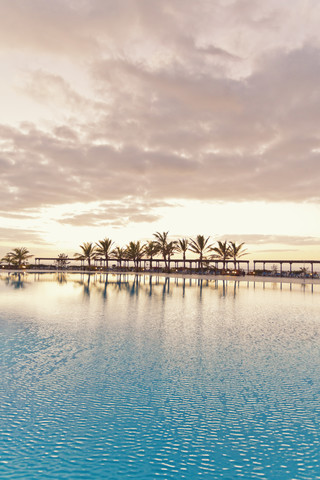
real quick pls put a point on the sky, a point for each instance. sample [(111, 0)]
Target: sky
[(123, 118)]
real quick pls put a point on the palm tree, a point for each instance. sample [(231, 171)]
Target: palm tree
[(88, 253), (62, 260), (303, 272), (119, 253), (182, 246), (222, 252), (200, 246), (162, 245), (236, 251), (135, 251), (103, 247), (7, 259), (151, 249), (170, 250), (19, 256)]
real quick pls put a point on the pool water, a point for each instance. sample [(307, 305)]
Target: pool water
[(127, 377)]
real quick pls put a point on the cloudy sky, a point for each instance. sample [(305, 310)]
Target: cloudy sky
[(122, 118)]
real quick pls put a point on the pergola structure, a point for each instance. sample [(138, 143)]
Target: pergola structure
[(158, 263), (189, 264), (38, 260), (286, 262)]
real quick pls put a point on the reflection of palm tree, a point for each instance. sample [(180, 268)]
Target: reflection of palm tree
[(150, 285), (201, 247), (17, 281), (61, 278), (236, 251), (134, 252), (103, 247), (85, 283), (119, 253), (151, 249), (88, 253), (105, 287), (134, 290), (182, 246), (224, 288), (19, 256), (166, 287), (222, 252), (86, 287)]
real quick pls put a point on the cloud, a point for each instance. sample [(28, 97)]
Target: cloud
[(255, 239), (216, 51), (116, 214), (17, 215), (221, 103), (44, 27), (56, 92), (20, 236)]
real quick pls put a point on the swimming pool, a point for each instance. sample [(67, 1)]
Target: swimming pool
[(133, 377)]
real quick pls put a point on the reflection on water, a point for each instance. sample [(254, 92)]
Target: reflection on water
[(148, 284), (15, 280), (143, 377)]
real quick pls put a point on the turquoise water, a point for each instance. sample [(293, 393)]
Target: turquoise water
[(131, 378)]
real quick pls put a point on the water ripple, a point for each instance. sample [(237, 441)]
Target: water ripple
[(193, 388)]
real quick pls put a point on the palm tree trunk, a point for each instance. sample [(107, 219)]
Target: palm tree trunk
[(165, 262)]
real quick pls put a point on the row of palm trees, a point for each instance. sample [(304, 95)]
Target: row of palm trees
[(160, 246), (17, 257), (163, 247)]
